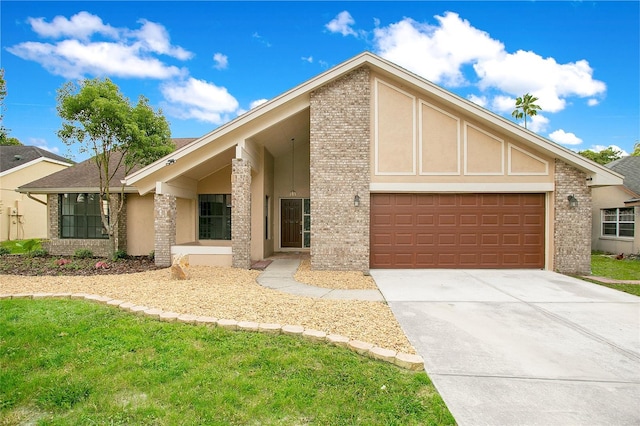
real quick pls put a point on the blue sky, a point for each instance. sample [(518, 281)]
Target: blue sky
[(206, 62)]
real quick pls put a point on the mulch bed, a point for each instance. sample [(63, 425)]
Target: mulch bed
[(57, 265)]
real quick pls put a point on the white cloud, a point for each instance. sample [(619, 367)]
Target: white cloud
[(441, 52), (593, 102), (342, 24), (121, 52), (221, 61), (537, 123), (436, 52), (204, 101), (81, 26), (503, 104), (564, 138), (307, 59), (479, 100), (154, 37), (528, 72), (42, 144), (257, 102)]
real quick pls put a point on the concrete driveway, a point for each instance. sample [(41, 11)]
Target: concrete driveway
[(520, 346)]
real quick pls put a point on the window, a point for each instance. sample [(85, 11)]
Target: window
[(80, 216), (618, 222), (214, 216)]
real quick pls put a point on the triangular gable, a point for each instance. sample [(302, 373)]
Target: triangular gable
[(234, 134)]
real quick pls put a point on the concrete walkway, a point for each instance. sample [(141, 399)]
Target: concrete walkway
[(279, 276)]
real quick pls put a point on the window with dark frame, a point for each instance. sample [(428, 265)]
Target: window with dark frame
[(619, 222), (80, 216), (214, 216)]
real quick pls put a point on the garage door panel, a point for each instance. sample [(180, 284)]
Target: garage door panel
[(457, 230)]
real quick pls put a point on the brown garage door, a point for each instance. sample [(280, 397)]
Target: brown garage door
[(457, 230)]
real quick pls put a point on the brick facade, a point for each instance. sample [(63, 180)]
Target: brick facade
[(164, 222), (572, 226), (339, 158), (67, 246), (241, 214)]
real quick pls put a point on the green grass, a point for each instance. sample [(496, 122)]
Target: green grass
[(66, 362), (607, 266)]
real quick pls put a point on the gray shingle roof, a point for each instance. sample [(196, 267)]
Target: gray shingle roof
[(84, 175), (629, 167), (16, 155)]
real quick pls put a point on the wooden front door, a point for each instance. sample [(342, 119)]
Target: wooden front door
[(291, 223)]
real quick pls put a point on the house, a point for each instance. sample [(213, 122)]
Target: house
[(370, 166), (73, 210), (23, 216), (616, 210)]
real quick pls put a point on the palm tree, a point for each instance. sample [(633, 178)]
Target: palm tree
[(525, 106)]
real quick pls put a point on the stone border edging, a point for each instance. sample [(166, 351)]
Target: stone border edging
[(403, 360)]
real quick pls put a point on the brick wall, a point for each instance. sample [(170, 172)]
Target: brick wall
[(572, 226), (241, 214), (164, 218), (67, 246), (339, 158)]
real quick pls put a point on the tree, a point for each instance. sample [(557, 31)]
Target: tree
[(3, 93), (98, 117), (525, 106), (636, 149), (604, 156), (7, 140)]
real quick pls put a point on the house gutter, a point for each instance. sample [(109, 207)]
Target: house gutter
[(36, 199)]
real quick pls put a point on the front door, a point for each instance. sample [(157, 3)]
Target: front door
[(291, 223)]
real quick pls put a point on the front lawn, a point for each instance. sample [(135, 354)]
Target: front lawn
[(608, 266), (65, 362)]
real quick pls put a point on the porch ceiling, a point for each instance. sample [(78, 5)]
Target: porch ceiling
[(211, 165), (277, 138)]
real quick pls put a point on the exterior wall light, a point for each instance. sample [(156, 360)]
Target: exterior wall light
[(356, 201), (573, 201)]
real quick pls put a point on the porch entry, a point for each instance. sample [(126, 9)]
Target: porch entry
[(295, 223)]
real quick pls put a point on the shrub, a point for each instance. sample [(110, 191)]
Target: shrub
[(4, 250), (39, 252), (83, 254), (120, 254), (29, 246), (152, 255)]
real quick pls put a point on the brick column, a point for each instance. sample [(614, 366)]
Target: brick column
[(165, 227), (339, 144), (241, 214), (572, 226)]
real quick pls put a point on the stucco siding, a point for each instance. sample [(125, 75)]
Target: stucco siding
[(607, 198), (419, 140)]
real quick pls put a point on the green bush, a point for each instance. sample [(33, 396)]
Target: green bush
[(120, 254), (4, 250), (83, 254), (152, 255), (29, 246), (39, 252)]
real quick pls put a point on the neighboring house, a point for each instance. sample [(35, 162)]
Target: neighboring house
[(616, 211), (74, 210), (23, 216), (370, 166)]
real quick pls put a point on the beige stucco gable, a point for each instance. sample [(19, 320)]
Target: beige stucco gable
[(422, 144)]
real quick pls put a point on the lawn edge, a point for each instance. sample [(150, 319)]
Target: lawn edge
[(400, 359)]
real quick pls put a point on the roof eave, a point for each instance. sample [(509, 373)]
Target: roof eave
[(87, 189)]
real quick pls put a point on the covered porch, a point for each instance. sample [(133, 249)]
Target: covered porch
[(234, 199)]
